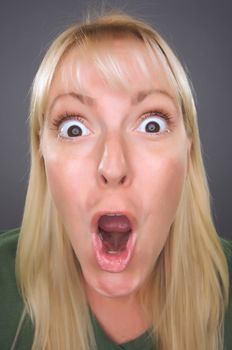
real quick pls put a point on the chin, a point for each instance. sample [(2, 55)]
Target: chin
[(115, 285)]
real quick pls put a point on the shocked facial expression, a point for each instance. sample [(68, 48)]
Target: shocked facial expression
[(116, 160)]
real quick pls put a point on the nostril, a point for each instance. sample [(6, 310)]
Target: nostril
[(123, 180), (104, 179)]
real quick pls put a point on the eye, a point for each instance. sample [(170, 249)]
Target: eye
[(72, 129), (154, 123)]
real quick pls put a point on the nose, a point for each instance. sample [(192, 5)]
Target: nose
[(113, 168)]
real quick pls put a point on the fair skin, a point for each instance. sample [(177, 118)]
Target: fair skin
[(115, 165)]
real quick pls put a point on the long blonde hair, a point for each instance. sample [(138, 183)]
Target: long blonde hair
[(187, 292)]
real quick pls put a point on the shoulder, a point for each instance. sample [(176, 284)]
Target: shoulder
[(227, 248), (8, 247), (8, 243), (11, 305)]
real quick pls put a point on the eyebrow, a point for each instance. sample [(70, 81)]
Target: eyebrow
[(84, 99), (138, 97), (141, 95)]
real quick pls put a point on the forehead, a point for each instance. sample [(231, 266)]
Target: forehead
[(125, 65)]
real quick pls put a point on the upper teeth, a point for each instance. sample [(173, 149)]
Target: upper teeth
[(113, 214)]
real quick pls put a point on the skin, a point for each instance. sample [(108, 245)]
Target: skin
[(115, 167)]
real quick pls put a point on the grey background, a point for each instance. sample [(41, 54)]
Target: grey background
[(198, 31)]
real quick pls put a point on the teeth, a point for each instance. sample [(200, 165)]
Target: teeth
[(112, 214), (112, 252)]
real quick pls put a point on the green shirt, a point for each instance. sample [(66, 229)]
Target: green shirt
[(11, 306)]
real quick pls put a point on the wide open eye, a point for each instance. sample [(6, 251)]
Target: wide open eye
[(72, 128), (154, 124)]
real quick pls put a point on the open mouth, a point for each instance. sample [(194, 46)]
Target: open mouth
[(114, 231), (113, 241)]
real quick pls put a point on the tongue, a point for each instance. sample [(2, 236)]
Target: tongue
[(114, 241), (114, 232)]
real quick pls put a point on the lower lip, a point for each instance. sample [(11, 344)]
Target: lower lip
[(114, 262)]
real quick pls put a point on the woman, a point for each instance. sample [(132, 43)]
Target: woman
[(117, 248)]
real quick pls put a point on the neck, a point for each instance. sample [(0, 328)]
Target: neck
[(122, 318)]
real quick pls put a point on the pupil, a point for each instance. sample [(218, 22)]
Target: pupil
[(74, 131), (152, 127)]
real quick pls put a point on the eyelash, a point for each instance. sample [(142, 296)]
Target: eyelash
[(71, 116), (68, 116), (159, 114)]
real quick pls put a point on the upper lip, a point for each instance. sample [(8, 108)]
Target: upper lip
[(96, 217)]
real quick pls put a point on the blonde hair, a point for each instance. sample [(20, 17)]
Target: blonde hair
[(187, 292)]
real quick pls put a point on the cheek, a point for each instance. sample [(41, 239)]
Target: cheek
[(162, 186), (172, 179), (67, 181), (67, 167)]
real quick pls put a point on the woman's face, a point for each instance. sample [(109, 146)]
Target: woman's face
[(111, 151)]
